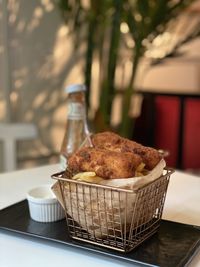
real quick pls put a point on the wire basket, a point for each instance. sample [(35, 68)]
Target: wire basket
[(114, 218)]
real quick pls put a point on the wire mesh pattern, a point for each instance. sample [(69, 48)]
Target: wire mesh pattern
[(115, 218)]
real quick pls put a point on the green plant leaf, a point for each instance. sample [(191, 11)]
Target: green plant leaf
[(98, 26)]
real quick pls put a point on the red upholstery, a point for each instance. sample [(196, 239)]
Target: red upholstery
[(167, 115), (171, 122), (191, 140)]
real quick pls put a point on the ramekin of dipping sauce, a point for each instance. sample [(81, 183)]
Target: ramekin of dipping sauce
[(43, 205)]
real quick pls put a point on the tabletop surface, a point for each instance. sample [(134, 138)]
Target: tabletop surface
[(181, 205)]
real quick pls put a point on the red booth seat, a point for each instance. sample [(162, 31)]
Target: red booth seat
[(177, 129)]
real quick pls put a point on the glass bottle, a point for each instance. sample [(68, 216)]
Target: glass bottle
[(76, 127)]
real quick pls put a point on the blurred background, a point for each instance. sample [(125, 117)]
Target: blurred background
[(140, 61)]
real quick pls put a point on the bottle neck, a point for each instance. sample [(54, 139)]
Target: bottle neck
[(76, 111)]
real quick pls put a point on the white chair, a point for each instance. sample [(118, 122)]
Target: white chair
[(9, 134)]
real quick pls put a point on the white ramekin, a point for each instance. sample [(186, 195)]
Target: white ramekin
[(43, 205)]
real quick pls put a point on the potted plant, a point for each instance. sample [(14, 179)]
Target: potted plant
[(113, 30)]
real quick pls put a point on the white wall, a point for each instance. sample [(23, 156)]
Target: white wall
[(176, 75), (36, 62)]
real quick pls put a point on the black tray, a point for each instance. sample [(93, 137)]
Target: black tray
[(174, 244)]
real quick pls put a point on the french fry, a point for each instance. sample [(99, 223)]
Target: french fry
[(89, 177), (82, 175), (140, 167)]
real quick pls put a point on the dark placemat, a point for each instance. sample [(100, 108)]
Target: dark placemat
[(173, 245)]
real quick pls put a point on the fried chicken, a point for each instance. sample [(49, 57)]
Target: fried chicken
[(105, 163), (114, 142)]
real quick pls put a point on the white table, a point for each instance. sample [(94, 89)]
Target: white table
[(182, 205)]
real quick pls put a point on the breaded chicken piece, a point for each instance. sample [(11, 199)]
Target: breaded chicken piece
[(114, 142), (105, 163)]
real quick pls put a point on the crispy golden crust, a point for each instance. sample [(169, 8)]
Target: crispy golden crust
[(114, 142), (105, 163)]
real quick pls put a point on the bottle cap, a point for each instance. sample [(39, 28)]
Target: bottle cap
[(75, 88)]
